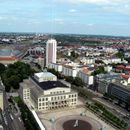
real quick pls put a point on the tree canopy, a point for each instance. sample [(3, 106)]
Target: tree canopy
[(2, 68), (99, 70), (14, 74)]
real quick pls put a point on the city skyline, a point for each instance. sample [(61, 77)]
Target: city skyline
[(99, 17)]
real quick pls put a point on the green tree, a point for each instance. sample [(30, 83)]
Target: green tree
[(78, 82), (128, 59), (74, 55), (2, 68), (14, 81), (99, 70), (69, 79), (14, 74), (120, 54)]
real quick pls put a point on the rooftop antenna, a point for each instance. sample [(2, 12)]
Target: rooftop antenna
[(52, 20)]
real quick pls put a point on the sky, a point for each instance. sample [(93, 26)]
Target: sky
[(100, 17)]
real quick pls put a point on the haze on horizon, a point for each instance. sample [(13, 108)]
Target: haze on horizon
[(103, 17)]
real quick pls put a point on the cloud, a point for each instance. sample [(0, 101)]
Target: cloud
[(95, 1), (90, 24), (6, 17), (121, 9), (59, 20), (72, 10)]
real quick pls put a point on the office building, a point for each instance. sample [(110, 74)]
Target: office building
[(121, 93), (51, 50)]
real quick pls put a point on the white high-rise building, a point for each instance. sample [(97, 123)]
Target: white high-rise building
[(51, 50)]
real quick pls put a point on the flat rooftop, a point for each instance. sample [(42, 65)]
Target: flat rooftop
[(46, 85), (44, 74), (123, 87)]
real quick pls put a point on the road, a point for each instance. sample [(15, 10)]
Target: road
[(13, 122)]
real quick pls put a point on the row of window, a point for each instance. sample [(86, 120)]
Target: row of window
[(73, 100), (48, 78), (43, 104), (42, 99), (26, 90), (57, 92), (73, 95), (42, 108), (58, 97)]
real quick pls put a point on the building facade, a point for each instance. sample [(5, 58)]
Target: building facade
[(46, 94), (51, 50), (1, 101), (86, 78), (121, 93), (57, 67)]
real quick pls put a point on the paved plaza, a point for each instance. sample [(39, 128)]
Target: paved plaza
[(62, 115)]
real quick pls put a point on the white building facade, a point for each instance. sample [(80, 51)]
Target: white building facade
[(47, 95), (57, 67), (51, 50), (70, 71), (86, 78)]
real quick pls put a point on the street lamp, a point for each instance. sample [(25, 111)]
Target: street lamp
[(52, 120)]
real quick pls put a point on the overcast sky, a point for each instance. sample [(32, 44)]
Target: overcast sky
[(107, 17)]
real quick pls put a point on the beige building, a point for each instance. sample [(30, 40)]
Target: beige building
[(1, 100), (8, 60), (86, 77), (47, 94)]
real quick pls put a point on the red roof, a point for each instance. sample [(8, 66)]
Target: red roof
[(6, 58), (125, 76), (127, 69), (84, 70), (120, 67)]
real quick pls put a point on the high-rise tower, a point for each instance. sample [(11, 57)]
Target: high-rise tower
[(51, 50)]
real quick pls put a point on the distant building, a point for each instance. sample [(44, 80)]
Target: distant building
[(7, 59), (112, 60), (70, 71), (85, 60), (46, 93), (86, 77), (102, 81), (1, 100), (57, 67), (121, 93), (51, 50)]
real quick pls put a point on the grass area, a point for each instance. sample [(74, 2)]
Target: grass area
[(15, 99), (99, 109), (106, 115), (27, 117)]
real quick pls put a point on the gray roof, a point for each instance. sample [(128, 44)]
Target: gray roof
[(49, 84)]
